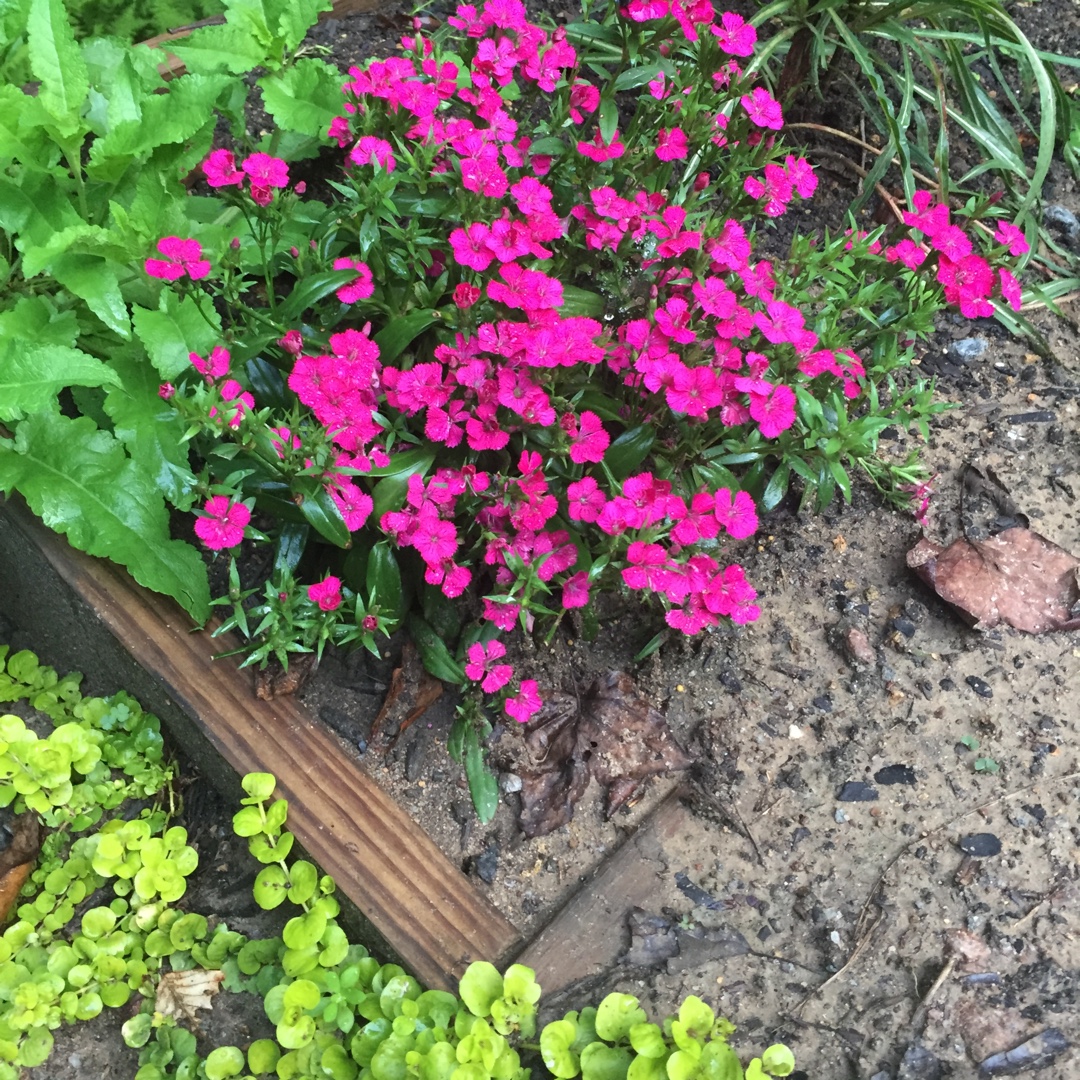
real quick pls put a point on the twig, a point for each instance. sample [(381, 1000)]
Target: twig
[(859, 142), (863, 941), (919, 1019), (882, 193)]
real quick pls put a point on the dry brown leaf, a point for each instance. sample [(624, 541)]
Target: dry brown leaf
[(181, 994), (1016, 577), (413, 690), (275, 681), (17, 860), (617, 736)]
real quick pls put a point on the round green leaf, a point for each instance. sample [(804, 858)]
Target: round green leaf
[(259, 785), (616, 1015), (778, 1060), (601, 1062), (138, 1029), (262, 1056), (224, 1061), (480, 986), (304, 931)]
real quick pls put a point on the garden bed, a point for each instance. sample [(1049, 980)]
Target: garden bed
[(756, 882)]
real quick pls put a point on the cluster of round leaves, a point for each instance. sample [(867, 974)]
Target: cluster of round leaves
[(56, 967)]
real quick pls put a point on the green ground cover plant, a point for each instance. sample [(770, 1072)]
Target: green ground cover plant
[(520, 346), (100, 924)]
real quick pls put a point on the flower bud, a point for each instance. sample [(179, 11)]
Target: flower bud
[(701, 181)]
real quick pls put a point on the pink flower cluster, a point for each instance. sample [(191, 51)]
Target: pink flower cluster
[(214, 368), (263, 172), (968, 279)]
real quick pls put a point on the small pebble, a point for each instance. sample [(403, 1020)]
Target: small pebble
[(856, 791), (840, 816), (982, 688), (487, 864), (980, 845), (823, 702), (968, 349), (795, 732), (905, 626), (511, 782), (1064, 222), (895, 774)]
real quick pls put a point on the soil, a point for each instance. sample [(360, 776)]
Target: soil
[(849, 911)]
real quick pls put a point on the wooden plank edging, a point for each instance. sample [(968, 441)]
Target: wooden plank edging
[(427, 910)]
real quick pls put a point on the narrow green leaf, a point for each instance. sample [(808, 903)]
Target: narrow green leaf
[(81, 483), (483, 783), (384, 578)]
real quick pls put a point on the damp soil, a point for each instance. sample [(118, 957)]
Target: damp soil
[(871, 774)]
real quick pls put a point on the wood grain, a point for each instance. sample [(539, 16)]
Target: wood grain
[(589, 934), (426, 909)]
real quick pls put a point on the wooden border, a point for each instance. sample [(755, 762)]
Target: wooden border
[(429, 913)]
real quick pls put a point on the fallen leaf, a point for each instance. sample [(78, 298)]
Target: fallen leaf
[(23, 836), (180, 994), (413, 690), (615, 736), (1016, 577), (275, 681), (652, 939)]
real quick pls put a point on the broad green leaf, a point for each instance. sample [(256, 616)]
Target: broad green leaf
[(294, 18), (93, 279), (35, 318), (31, 375), (311, 290), (581, 302), (212, 49), (167, 118), (628, 451), (483, 783), (321, 513), (602, 1062), (384, 578), (396, 336), (304, 97), (434, 653), (174, 331), (480, 986), (55, 60), (29, 145), (151, 430), (83, 236), (81, 483)]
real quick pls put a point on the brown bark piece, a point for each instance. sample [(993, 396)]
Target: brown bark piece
[(1016, 577), (413, 690), (275, 681)]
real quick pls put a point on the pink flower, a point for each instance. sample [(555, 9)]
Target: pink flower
[(166, 391), (585, 498), (575, 591), (265, 171), (1012, 237), (590, 441), (360, 288), (599, 151), (326, 593), (1010, 288), (736, 513), (481, 666), (222, 523), (907, 253), (371, 150), (774, 412), (292, 342), (735, 36), (434, 538), (181, 257), (672, 144), (220, 169), (216, 365), (465, 295), (763, 109), (526, 703)]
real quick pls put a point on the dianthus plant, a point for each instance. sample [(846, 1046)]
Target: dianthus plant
[(521, 350)]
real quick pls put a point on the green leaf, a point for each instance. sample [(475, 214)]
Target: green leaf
[(55, 60), (174, 331), (305, 97), (398, 334), (778, 1060), (294, 18), (224, 1061), (483, 783), (776, 488), (581, 302), (167, 118), (609, 118), (384, 578), (32, 375), (480, 986), (321, 513), (211, 49), (600, 1062), (150, 429), (311, 290), (93, 279), (80, 482), (434, 653), (629, 450), (616, 1015)]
